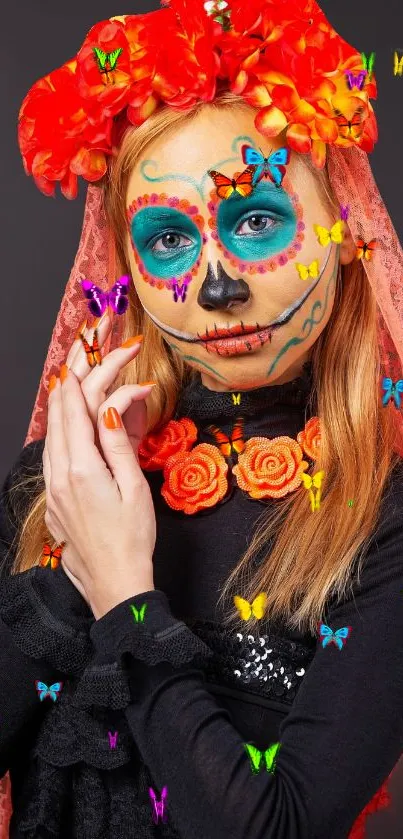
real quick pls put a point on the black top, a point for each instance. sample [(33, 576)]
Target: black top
[(183, 694)]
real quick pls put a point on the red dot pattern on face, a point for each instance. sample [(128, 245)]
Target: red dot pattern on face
[(280, 259), (184, 206)]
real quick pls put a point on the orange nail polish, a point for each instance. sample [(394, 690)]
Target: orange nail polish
[(63, 372), (111, 418), (144, 384), (131, 341), (52, 383)]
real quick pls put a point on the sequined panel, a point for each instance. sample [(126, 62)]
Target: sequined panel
[(265, 664)]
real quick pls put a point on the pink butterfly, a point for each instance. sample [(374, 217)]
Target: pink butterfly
[(159, 806), (112, 739), (344, 211), (116, 298), (355, 81), (179, 291)]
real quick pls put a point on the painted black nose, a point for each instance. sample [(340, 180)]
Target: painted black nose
[(220, 291)]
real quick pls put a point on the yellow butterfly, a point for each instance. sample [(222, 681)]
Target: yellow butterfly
[(315, 481), (257, 608), (306, 271), (236, 398), (335, 234), (398, 68)]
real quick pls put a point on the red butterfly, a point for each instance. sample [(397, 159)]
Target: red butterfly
[(92, 351), (226, 445), (350, 129), (51, 557), (365, 250), (228, 186)]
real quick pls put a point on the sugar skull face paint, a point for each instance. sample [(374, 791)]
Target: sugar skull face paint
[(277, 315)]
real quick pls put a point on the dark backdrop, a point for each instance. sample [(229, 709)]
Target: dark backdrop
[(39, 235)]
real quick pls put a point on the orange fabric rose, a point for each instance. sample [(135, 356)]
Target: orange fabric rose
[(195, 480), (176, 436), (270, 468), (310, 438)]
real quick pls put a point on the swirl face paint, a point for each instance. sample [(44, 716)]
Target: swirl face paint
[(264, 249), (147, 217)]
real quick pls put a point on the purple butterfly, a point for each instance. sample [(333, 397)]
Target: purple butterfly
[(344, 211), (112, 739), (355, 81), (116, 298), (179, 291), (159, 806)]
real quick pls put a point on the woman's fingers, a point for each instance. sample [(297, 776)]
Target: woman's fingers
[(129, 401), (77, 358), (96, 386)]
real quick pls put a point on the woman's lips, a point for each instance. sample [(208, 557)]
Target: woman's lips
[(241, 344)]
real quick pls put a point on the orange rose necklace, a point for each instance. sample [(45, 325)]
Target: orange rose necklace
[(197, 476)]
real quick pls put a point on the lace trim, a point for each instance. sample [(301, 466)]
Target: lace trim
[(176, 645), (103, 685)]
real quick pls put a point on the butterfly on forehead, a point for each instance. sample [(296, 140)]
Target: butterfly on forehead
[(227, 187), (272, 166), (116, 298)]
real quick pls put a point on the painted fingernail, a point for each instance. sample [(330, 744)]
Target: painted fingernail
[(111, 418), (52, 383), (80, 329), (131, 341), (144, 384), (63, 372)]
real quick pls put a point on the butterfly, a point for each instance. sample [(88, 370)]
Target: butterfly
[(236, 398), (256, 608), (226, 187), (335, 234), (112, 739), (306, 271), (272, 167), (364, 251), (139, 613), (392, 390), (368, 62), (214, 9), (52, 690), (268, 757), (350, 128), (227, 446), (116, 298), (398, 65), (355, 81), (159, 806), (51, 557), (106, 60), (179, 291), (344, 211), (339, 638), (315, 481), (92, 351)]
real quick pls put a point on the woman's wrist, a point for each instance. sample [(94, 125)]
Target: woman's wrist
[(103, 599)]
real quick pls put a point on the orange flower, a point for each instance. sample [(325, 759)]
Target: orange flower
[(175, 437), (309, 438), (270, 468), (195, 480)]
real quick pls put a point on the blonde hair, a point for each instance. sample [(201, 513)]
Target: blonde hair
[(312, 555)]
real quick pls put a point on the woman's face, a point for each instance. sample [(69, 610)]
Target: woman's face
[(204, 265)]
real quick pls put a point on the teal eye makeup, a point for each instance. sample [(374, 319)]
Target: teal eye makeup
[(167, 241), (257, 227)]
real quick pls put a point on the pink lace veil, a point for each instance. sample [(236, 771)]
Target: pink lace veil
[(353, 184)]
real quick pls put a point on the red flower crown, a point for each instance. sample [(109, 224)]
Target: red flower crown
[(282, 56)]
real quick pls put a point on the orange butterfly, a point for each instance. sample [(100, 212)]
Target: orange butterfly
[(364, 251), (226, 446), (51, 557), (350, 129), (228, 186), (92, 351)]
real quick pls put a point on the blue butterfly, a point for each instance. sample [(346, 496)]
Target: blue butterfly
[(339, 638), (272, 167), (392, 389), (52, 690)]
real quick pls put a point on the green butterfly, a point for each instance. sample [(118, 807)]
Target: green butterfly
[(256, 757), (139, 613), (368, 62), (106, 60)]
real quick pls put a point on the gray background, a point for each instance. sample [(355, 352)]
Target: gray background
[(39, 235)]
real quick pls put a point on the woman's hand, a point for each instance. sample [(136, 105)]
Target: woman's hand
[(106, 515)]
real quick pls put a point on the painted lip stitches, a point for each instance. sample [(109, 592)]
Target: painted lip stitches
[(237, 339)]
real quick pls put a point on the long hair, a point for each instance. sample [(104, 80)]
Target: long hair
[(304, 558)]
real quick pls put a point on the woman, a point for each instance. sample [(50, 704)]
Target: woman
[(189, 617)]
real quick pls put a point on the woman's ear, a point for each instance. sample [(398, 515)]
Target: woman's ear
[(348, 248)]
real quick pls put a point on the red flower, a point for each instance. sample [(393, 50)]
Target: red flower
[(106, 83)]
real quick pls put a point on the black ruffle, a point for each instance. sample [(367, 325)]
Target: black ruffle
[(176, 645), (104, 685)]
